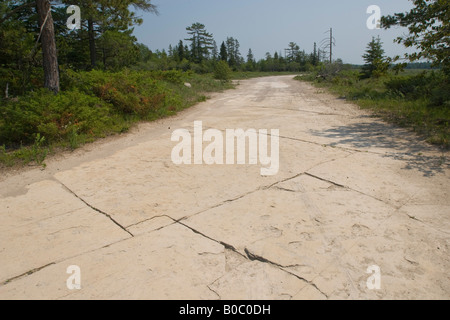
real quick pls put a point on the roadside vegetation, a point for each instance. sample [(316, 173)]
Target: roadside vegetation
[(62, 88), (92, 105), (416, 99)]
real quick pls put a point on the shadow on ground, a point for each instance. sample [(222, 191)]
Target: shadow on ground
[(399, 144)]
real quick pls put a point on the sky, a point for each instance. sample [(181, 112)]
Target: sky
[(269, 26)]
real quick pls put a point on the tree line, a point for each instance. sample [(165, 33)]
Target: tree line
[(200, 52), (36, 44)]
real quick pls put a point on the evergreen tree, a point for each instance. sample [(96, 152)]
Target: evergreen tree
[(16, 45), (251, 63), (234, 56), (118, 49), (201, 41), (250, 56), (100, 16), (187, 53), (376, 63), (293, 51), (223, 52), (180, 49)]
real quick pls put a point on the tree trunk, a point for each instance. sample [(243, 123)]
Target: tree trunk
[(50, 58), (92, 48)]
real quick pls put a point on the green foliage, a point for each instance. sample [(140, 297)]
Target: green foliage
[(52, 116), (419, 101), (223, 52), (5, 158), (298, 60), (429, 31), (433, 86), (105, 40), (92, 105), (201, 41), (235, 59), (376, 64), (222, 71), (37, 152), (17, 66), (409, 87), (118, 50)]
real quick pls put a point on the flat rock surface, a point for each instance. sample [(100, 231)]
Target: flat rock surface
[(351, 192)]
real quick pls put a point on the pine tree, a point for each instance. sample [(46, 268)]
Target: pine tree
[(181, 53), (250, 57), (187, 53), (223, 52), (101, 16), (251, 63), (201, 41), (293, 49), (234, 56), (376, 63), (231, 51)]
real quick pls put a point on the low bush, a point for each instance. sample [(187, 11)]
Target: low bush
[(91, 105), (222, 71)]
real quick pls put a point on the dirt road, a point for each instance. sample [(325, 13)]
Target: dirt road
[(352, 193)]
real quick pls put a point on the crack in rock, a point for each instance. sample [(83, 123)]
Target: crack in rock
[(152, 218), (354, 190), (96, 209), (25, 274), (224, 244), (215, 292), (254, 257), (251, 256), (285, 189), (326, 180)]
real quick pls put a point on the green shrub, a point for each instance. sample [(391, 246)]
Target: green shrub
[(91, 105), (52, 116), (417, 101), (433, 86), (411, 87), (222, 71)]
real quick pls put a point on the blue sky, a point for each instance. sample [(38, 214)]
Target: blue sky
[(268, 26)]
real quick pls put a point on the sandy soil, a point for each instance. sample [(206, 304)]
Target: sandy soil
[(351, 192)]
